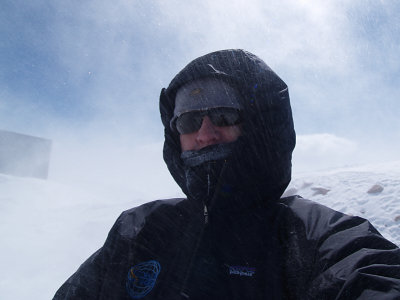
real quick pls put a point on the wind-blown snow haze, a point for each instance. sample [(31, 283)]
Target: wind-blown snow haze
[(87, 76)]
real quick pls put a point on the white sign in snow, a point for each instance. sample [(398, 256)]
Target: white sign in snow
[(24, 155)]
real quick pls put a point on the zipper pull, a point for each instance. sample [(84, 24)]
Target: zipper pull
[(208, 186), (205, 214)]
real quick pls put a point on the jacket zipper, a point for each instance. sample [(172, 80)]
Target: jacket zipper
[(184, 292), (208, 198)]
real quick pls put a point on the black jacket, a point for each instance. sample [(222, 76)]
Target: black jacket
[(240, 241), (296, 248)]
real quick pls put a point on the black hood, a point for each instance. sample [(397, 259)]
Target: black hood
[(262, 163)]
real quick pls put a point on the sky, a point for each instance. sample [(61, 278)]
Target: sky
[(87, 75)]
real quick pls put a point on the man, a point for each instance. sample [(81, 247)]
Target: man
[(229, 138)]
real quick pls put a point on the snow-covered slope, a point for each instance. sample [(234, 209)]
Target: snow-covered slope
[(48, 228), (371, 192)]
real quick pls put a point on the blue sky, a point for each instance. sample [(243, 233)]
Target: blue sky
[(90, 72)]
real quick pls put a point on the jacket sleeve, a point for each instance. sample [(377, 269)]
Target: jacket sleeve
[(351, 260), (87, 281), (103, 275), (97, 275)]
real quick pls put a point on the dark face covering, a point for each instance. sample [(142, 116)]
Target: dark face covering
[(203, 169)]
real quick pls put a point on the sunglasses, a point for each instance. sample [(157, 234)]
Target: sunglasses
[(191, 121)]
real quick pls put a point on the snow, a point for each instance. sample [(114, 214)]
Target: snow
[(49, 228), (369, 191)]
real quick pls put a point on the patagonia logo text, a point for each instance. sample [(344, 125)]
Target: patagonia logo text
[(242, 271), (142, 278)]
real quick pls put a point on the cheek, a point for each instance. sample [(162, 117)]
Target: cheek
[(188, 141), (231, 133)]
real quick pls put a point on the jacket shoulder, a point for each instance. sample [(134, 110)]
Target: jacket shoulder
[(319, 221), (342, 253), (131, 221)]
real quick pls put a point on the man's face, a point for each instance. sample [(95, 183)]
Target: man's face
[(209, 134)]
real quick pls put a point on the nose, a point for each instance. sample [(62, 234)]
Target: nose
[(208, 134)]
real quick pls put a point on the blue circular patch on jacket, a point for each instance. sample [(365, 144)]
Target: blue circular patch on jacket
[(142, 278)]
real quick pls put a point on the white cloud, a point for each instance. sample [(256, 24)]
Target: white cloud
[(133, 48), (323, 151)]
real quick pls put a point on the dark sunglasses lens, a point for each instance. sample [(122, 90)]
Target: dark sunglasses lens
[(189, 122), (225, 117)]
